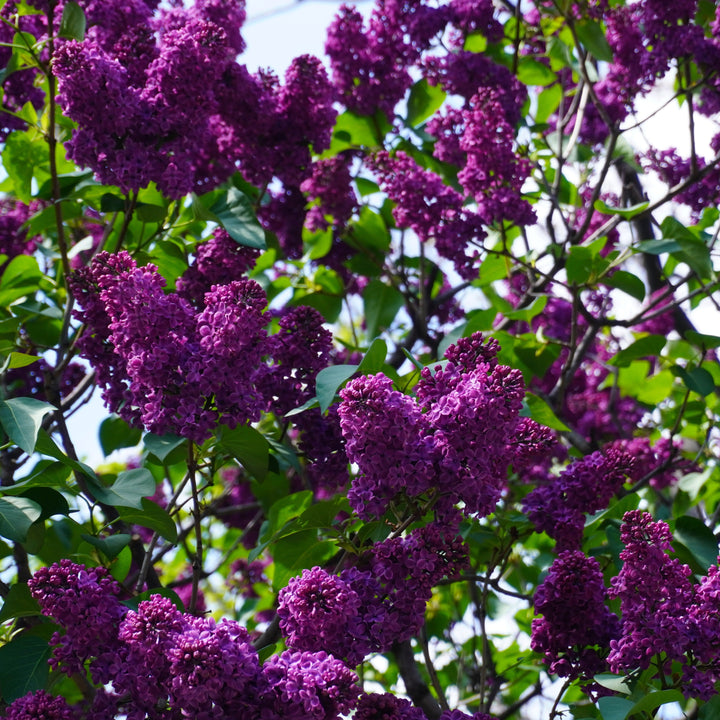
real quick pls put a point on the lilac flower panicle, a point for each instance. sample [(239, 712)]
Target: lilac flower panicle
[(655, 593), (40, 705), (575, 631), (83, 601), (302, 685), (386, 706)]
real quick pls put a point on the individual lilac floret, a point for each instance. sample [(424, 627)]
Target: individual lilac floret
[(655, 593), (575, 631), (83, 601), (39, 705), (307, 686), (386, 706), (584, 487)]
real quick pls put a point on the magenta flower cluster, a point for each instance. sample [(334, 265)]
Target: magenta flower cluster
[(362, 611), (452, 440), (162, 98), (158, 662), (172, 367)]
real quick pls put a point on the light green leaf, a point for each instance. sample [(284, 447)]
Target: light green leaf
[(162, 445), (22, 418), (648, 346), (382, 303), (423, 101), (627, 282), (19, 360), (536, 408), (374, 357)]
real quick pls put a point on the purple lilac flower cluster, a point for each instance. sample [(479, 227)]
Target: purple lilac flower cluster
[(162, 98), (171, 367), (13, 237), (655, 593), (584, 487), (368, 610), (454, 439), (575, 631), (40, 705), (157, 657)]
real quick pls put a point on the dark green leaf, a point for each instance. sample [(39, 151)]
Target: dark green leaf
[(161, 445), (46, 446), (236, 214), (658, 247), (297, 552), (112, 203), (248, 446), (24, 666), (699, 541), (72, 23), (424, 100), (17, 514), (537, 409), (151, 516), (382, 303), (162, 592), (115, 433), (21, 419), (627, 282), (592, 36), (644, 347), (696, 254), (109, 546), (706, 342), (374, 358), (614, 708), (150, 213), (128, 490), (19, 603), (328, 382), (697, 380), (50, 501), (654, 700)]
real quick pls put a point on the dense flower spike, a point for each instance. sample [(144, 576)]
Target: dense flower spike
[(40, 705), (385, 706), (575, 631), (655, 593), (13, 237), (559, 507)]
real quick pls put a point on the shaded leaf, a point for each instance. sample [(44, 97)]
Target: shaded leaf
[(235, 213), (128, 490), (110, 546), (19, 603), (248, 446), (24, 666), (151, 516), (72, 22), (17, 514)]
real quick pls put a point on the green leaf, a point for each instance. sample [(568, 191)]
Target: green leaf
[(50, 501), (148, 213), (328, 382), (654, 700), (536, 408), (648, 346), (311, 403), (626, 213), (286, 509), (627, 282), (19, 603), (297, 552), (592, 36), (699, 541), (579, 264), (353, 130), (533, 72), (659, 246), (20, 360), (697, 380), (72, 23), (128, 490), (20, 279), (614, 708), (110, 546), (548, 102), (423, 101), (46, 446), (248, 446), (151, 516), (17, 514), (161, 445), (115, 433), (528, 312), (382, 303), (706, 342), (374, 357), (236, 214), (22, 418), (20, 158), (133, 603), (24, 666)]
